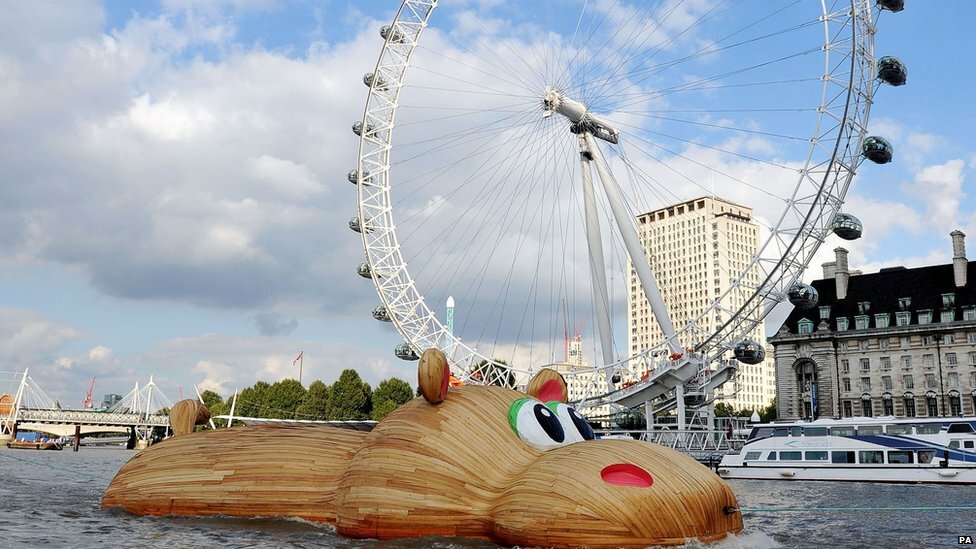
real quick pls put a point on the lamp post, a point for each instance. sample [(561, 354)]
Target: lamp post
[(938, 358)]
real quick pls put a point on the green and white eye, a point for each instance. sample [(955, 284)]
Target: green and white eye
[(574, 424), (536, 424)]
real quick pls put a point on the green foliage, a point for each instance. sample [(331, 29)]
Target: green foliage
[(766, 413), (349, 398), (315, 403), (388, 395), (253, 401), (494, 374), (283, 398)]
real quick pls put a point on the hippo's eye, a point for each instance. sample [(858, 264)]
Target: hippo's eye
[(536, 424), (574, 424)]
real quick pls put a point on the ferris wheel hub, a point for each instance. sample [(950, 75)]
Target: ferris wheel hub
[(582, 120)]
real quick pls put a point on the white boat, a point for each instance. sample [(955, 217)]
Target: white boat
[(881, 449)]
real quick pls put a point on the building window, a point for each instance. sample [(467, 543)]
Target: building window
[(904, 303), (846, 383), (925, 316), (804, 326), (928, 360), (930, 381), (949, 339), (905, 342), (969, 313), (928, 341), (861, 322), (848, 409), (845, 365), (903, 318), (865, 364), (932, 406), (947, 315), (881, 320), (949, 300), (863, 344), (906, 362), (886, 383), (844, 346), (952, 380), (886, 364), (863, 307), (955, 406), (889, 407), (951, 359), (865, 384), (825, 312), (908, 381), (884, 343), (866, 408), (972, 380), (841, 324), (909, 407)]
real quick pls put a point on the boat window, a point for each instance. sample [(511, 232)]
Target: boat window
[(960, 428), (790, 456), (925, 456), (842, 431), (771, 456), (870, 456), (928, 428), (796, 431), (899, 456), (954, 444), (968, 444), (815, 431), (781, 431), (869, 430), (816, 456), (841, 457), (752, 455), (899, 429), (761, 432)]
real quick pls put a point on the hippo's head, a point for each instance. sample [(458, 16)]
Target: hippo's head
[(523, 469)]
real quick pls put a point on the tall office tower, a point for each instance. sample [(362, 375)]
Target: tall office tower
[(696, 248)]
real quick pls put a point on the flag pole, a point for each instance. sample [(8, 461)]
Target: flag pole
[(301, 366)]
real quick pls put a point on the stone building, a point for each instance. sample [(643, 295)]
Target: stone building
[(899, 342)]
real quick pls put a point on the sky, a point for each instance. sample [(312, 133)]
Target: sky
[(174, 203)]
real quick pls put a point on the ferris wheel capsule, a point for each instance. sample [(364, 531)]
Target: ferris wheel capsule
[(354, 177), (803, 296), (405, 352), (375, 81), (365, 270), (358, 226), (749, 352), (877, 149), (892, 71), (380, 313), (391, 34), (357, 128), (846, 226), (893, 6)]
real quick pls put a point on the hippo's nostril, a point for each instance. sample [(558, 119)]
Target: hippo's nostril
[(626, 474)]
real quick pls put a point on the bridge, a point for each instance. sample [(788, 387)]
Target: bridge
[(31, 409)]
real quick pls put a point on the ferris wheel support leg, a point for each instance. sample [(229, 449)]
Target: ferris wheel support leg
[(649, 415), (598, 269), (679, 400), (625, 223)]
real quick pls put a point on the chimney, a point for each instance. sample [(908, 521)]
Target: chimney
[(841, 274), (829, 268), (959, 262)]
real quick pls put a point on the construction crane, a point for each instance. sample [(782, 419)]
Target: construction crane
[(88, 396)]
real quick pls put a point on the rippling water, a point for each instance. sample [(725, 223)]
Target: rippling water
[(51, 499)]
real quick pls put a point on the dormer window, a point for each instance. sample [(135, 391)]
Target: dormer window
[(863, 307), (904, 303), (949, 300), (804, 326), (925, 316), (825, 311), (842, 324)]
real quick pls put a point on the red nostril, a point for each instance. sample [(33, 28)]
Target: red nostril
[(626, 474)]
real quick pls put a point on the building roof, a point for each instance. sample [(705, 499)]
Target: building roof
[(924, 285)]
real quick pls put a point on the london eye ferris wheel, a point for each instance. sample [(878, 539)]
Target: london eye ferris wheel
[(507, 149)]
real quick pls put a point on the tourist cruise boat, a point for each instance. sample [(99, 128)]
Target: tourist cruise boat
[(882, 449)]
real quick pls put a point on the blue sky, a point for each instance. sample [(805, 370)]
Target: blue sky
[(174, 199)]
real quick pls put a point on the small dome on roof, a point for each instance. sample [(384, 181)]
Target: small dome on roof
[(877, 149), (803, 296), (749, 352), (892, 71), (847, 226)]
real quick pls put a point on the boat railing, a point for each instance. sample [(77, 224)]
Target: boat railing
[(688, 441)]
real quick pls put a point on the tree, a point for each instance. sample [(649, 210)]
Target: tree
[(493, 373), (284, 397), (390, 394), (315, 403), (768, 413), (253, 401), (349, 397)]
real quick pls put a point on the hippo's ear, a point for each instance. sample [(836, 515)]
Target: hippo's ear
[(433, 375), (547, 386)]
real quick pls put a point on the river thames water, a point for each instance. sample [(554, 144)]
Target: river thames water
[(51, 499)]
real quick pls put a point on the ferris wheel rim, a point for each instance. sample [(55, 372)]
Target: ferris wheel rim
[(396, 288)]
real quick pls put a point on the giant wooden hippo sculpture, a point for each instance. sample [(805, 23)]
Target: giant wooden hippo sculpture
[(473, 461)]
